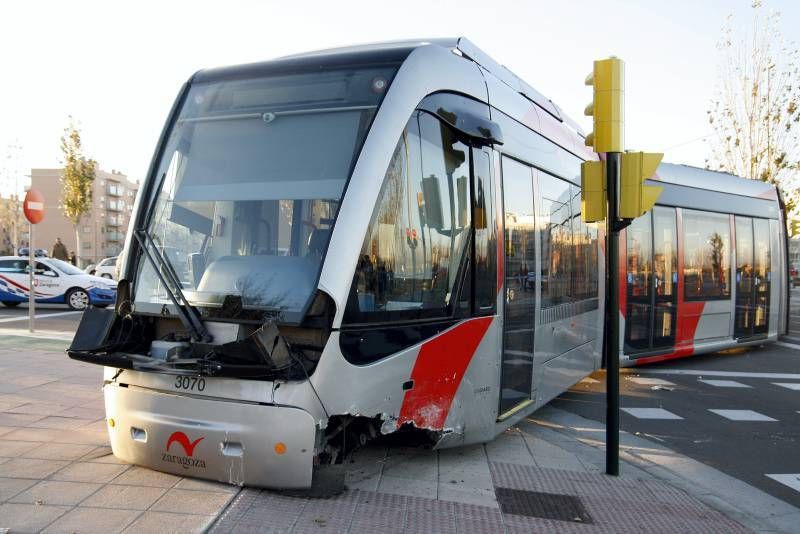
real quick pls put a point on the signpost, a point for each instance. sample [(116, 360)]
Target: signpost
[(33, 207), (613, 191)]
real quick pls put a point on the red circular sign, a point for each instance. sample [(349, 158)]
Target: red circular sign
[(34, 206)]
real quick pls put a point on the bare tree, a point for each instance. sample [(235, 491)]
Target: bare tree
[(76, 180), (756, 111)]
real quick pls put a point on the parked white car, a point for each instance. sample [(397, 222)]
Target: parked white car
[(55, 282), (105, 268)]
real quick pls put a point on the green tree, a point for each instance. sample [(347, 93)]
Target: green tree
[(755, 113), (77, 179)]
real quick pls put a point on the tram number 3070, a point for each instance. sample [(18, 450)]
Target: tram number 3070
[(190, 383)]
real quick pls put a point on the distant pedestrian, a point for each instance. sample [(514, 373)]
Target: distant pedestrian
[(60, 250), (72, 258)]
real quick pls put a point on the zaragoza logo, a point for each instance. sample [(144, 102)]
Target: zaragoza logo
[(188, 446)]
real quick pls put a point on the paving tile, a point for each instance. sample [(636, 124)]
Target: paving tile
[(59, 422), (12, 486), (477, 496), (369, 519), (102, 455), (56, 492), (39, 408), (45, 435), (30, 468), (100, 520), (406, 486), (331, 515), (141, 476), (18, 419), (57, 451), (29, 517), (509, 447), (430, 522), (200, 502), (366, 480), (125, 497), (89, 472), (13, 449), (166, 523), (422, 466), (206, 485)]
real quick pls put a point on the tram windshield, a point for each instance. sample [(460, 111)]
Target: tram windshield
[(249, 185)]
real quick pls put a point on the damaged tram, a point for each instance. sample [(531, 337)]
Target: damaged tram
[(338, 245)]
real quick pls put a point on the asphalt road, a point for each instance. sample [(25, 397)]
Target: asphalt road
[(49, 317), (761, 385)]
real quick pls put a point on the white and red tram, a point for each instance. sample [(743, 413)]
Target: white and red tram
[(354, 242)]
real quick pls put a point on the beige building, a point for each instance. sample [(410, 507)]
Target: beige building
[(102, 230)]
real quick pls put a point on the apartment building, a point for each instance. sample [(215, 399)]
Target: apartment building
[(102, 230)]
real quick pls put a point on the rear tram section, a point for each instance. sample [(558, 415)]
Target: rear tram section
[(705, 270)]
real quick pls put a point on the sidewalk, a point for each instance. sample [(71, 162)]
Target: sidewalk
[(545, 475)]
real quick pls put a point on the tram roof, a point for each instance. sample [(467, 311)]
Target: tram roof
[(690, 176), (389, 51)]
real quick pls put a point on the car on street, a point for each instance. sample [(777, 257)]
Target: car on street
[(105, 268), (55, 282), (37, 252)]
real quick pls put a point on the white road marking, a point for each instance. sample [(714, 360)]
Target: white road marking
[(723, 383), (651, 413), (787, 345), (789, 385), (44, 316), (730, 374), (790, 479), (590, 380), (743, 415), (642, 381)]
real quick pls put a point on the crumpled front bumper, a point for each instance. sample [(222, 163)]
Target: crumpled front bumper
[(234, 442)]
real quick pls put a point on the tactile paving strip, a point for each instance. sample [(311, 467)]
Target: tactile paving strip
[(615, 505)]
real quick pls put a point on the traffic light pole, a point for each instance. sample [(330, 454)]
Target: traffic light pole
[(612, 314)]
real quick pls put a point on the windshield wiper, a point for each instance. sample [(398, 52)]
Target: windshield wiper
[(187, 313)]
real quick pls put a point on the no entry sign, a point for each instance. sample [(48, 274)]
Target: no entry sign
[(34, 206)]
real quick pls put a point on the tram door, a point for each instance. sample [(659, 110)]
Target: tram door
[(520, 295), (753, 277), (651, 282)]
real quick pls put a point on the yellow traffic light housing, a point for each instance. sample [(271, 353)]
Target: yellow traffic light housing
[(794, 227), (607, 107), (593, 191), (636, 198)]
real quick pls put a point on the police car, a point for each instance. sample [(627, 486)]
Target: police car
[(55, 282)]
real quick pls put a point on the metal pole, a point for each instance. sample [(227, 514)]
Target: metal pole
[(31, 289), (612, 338)]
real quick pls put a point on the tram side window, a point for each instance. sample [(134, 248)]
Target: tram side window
[(556, 239), (415, 244), (706, 245), (485, 235)]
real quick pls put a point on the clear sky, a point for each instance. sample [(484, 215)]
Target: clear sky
[(117, 66)]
